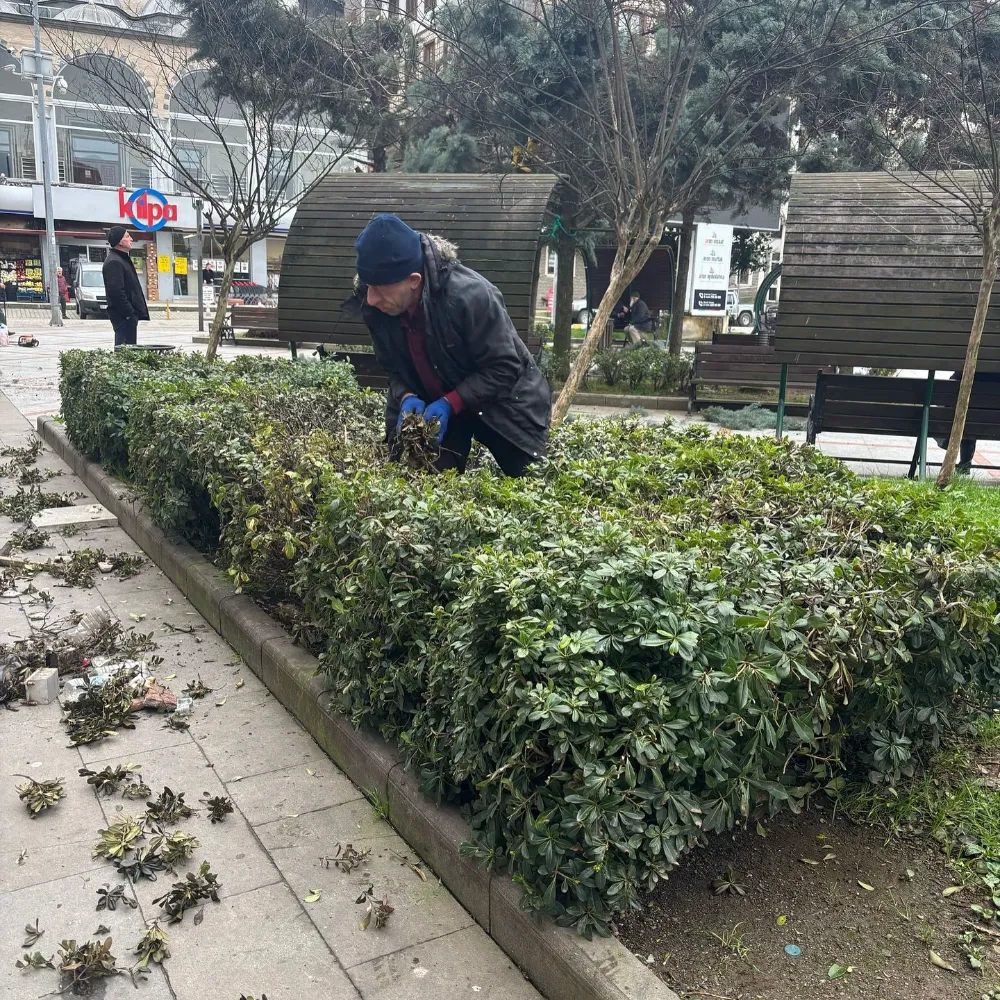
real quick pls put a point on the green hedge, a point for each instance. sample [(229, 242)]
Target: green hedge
[(661, 635)]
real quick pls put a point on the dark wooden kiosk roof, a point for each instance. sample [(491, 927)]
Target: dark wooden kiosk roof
[(879, 273), (496, 220)]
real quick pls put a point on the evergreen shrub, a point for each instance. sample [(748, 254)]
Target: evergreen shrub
[(660, 635)]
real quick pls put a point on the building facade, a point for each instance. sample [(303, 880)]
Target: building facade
[(99, 180)]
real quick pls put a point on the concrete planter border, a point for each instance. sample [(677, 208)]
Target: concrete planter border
[(558, 961)]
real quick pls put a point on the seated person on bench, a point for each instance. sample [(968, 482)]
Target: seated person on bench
[(638, 321)]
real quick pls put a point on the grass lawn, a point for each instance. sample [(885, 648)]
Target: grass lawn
[(979, 502)]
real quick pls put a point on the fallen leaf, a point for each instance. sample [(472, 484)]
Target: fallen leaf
[(220, 703), (837, 971), (782, 920), (136, 617), (866, 886), (937, 960), (309, 770), (240, 683), (366, 920), (199, 916), (761, 832), (314, 897), (420, 872), (829, 857), (910, 873), (290, 816), (952, 889), (808, 861), (170, 677), (102, 930)]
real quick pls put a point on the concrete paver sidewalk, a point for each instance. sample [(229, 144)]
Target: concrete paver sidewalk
[(293, 806)]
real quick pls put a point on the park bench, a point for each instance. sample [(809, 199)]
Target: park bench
[(869, 404), (262, 320), (746, 365)]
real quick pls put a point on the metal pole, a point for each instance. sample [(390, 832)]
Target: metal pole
[(201, 281), (925, 419), (50, 225), (782, 386), (555, 290)]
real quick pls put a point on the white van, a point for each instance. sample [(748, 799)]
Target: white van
[(89, 291)]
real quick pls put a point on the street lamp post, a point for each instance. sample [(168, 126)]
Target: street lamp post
[(41, 69), (198, 206)]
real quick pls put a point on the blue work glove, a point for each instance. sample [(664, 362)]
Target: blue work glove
[(441, 411), (412, 404)]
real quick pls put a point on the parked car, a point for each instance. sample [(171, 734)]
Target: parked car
[(581, 314), (739, 315), (88, 289)]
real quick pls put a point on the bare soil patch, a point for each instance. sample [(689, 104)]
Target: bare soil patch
[(884, 933)]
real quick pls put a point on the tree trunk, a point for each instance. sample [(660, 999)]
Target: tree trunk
[(562, 334), (220, 307), (681, 281), (986, 283)]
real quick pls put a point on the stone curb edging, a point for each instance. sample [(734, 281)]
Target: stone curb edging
[(561, 964)]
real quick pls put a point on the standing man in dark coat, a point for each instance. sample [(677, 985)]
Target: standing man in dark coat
[(126, 303), (443, 335)]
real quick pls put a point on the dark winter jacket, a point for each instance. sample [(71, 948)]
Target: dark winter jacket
[(639, 317), (473, 346), (122, 287)]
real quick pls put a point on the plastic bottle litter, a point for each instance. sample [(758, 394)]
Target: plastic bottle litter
[(73, 690)]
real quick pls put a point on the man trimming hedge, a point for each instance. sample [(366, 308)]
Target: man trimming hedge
[(443, 335)]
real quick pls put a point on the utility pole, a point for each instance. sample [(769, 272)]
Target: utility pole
[(50, 223), (198, 206)]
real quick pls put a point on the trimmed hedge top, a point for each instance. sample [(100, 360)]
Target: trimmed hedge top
[(661, 635)]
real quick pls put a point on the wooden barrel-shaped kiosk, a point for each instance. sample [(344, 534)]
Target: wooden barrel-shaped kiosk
[(882, 271), (496, 221)]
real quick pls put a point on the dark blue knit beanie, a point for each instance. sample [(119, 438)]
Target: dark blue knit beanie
[(388, 251)]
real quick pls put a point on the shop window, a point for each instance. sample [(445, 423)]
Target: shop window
[(6, 152), (96, 159), (190, 165), (427, 54)]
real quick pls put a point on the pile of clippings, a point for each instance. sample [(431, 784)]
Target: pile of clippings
[(417, 443)]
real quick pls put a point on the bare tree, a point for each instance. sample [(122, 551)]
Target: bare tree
[(249, 147)]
